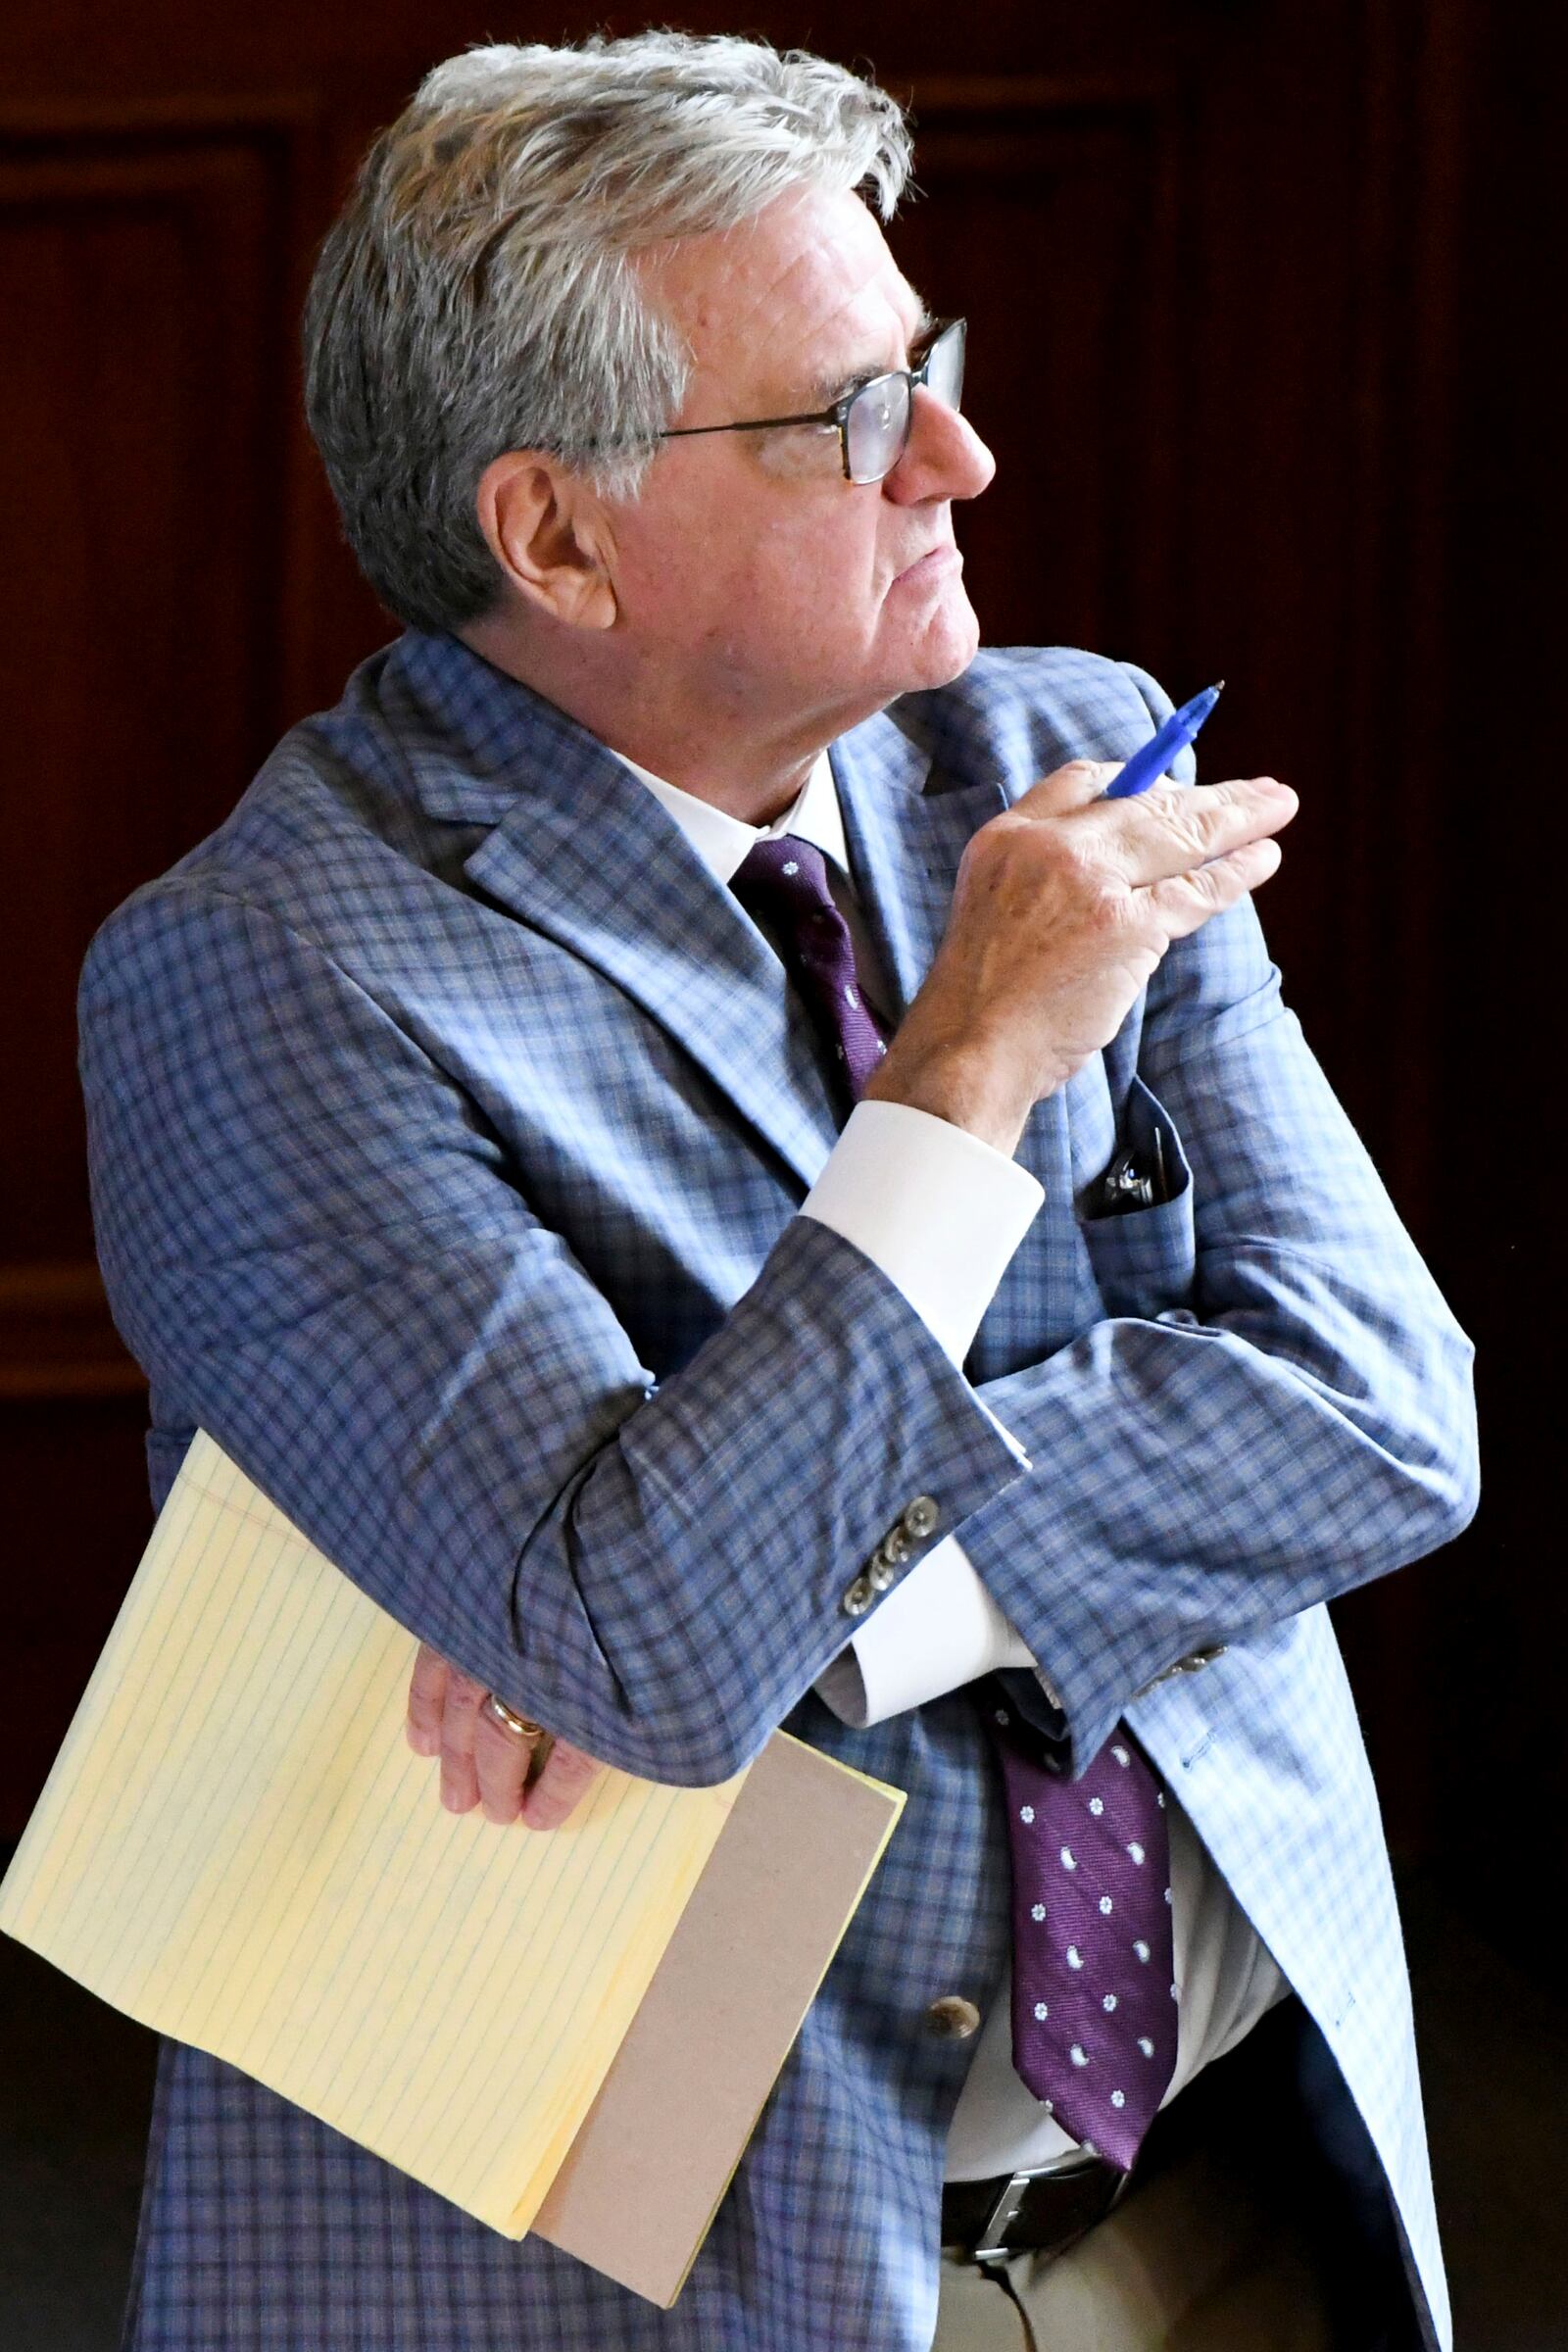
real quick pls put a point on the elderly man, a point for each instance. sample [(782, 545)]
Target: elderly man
[(688, 1146)]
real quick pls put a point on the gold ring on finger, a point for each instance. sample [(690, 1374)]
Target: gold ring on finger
[(499, 1712)]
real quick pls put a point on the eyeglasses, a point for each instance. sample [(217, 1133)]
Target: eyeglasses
[(874, 420)]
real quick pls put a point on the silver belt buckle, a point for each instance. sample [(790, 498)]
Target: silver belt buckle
[(993, 2238)]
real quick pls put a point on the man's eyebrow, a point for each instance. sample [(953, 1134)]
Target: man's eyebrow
[(834, 386)]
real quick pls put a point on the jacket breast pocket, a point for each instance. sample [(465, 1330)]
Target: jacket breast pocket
[(1145, 1258)]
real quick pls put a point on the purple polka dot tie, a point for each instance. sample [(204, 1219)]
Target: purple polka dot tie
[(1094, 1996), (1094, 2001)]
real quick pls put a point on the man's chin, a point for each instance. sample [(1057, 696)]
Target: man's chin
[(933, 654), (945, 647)]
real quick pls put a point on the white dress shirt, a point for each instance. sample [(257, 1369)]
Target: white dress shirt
[(940, 1213)]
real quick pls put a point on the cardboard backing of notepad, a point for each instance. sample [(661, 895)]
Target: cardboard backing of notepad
[(651, 2163)]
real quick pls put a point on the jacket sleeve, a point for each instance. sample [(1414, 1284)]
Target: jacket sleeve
[(320, 1254), (1298, 1424), (1302, 1422)]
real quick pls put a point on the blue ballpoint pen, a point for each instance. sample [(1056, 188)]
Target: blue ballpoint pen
[(1150, 763)]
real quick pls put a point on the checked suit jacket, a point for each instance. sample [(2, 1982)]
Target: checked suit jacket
[(449, 1124)]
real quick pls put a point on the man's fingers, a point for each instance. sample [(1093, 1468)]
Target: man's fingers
[(1185, 901), (460, 1780), (1168, 830), (501, 1763), (1172, 829), (1073, 786), (482, 1762), (566, 1775), (427, 1694)]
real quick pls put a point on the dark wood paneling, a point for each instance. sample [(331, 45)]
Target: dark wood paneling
[(142, 467), (1047, 212), (1500, 1600)]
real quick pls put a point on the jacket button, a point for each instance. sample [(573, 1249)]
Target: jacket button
[(895, 1546), (920, 1517), (952, 2019), (859, 1597), (1200, 1657)]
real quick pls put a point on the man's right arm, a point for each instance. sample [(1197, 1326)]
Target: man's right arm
[(319, 1254)]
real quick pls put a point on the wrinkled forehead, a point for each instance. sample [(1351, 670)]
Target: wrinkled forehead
[(802, 298)]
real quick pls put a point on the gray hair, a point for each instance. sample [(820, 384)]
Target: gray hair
[(478, 294)]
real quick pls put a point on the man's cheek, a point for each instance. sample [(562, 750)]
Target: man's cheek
[(805, 454)]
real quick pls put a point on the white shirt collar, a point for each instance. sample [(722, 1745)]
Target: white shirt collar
[(722, 841)]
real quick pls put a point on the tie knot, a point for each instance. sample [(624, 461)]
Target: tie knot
[(786, 874)]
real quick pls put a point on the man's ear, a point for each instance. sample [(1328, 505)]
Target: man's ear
[(551, 536)]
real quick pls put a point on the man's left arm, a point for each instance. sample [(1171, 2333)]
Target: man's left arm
[(1305, 1424)]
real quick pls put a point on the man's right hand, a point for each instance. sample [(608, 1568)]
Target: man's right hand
[(1063, 907)]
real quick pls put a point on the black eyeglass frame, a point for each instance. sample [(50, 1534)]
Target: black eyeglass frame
[(838, 413)]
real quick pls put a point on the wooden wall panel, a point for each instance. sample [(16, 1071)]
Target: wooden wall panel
[(139, 502), (1047, 213)]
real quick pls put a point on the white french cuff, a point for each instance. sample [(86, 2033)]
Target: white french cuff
[(939, 1213)]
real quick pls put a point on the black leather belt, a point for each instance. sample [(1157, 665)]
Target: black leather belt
[(1020, 2213)]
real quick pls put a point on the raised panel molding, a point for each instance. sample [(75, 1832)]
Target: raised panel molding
[(1047, 209), (227, 192), (147, 477)]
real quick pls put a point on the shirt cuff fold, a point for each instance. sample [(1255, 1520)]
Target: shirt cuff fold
[(939, 1213)]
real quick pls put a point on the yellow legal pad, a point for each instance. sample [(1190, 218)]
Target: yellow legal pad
[(237, 1847)]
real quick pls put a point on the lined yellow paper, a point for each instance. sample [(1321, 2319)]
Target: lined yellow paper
[(237, 1847)]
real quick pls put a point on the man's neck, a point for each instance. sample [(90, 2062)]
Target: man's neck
[(724, 755)]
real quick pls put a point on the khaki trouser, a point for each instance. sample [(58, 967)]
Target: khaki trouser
[(1228, 2241)]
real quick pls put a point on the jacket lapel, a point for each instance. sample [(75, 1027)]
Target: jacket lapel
[(614, 879), (906, 823), (573, 845), (906, 829)]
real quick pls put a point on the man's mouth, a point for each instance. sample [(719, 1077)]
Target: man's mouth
[(928, 566)]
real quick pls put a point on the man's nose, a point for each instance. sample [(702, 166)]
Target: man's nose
[(945, 456)]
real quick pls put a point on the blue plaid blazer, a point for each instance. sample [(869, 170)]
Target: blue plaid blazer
[(448, 1123)]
